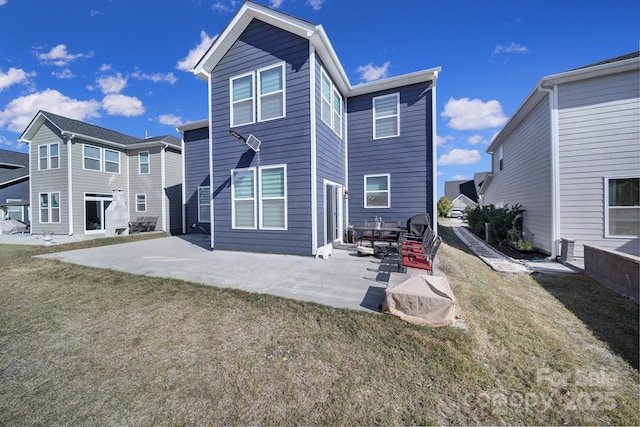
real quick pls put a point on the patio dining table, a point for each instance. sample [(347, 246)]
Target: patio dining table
[(373, 234)]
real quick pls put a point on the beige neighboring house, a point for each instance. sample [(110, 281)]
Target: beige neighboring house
[(570, 155), (75, 167)]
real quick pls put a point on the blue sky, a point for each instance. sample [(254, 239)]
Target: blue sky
[(124, 64)]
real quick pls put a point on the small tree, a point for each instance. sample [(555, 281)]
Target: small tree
[(444, 206)]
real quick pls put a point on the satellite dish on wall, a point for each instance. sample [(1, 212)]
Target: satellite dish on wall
[(253, 142)]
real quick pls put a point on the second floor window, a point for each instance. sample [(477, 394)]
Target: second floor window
[(48, 156), (263, 90), (111, 161), (143, 162), (92, 157), (386, 116), (330, 104)]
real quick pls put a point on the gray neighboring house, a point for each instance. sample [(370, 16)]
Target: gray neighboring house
[(75, 167), (570, 155), (14, 184), (461, 193)]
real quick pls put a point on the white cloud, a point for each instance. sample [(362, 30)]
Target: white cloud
[(459, 156), (370, 72), (122, 105), (440, 140), (3, 2), (459, 177), (275, 3), (112, 84), (155, 77), (94, 12), (64, 74), (440, 173), (512, 48), (19, 112), (474, 139), (219, 6), (473, 114), (61, 57), (188, 62), (169, 119), (14, 76), (105, 67), (315, 4)]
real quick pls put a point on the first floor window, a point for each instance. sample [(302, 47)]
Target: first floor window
[(386, 116), (204, 204), (377, 193), (273, 197), (622, 204), (243, 191), (141, 202), (15, 212), (49, 207)]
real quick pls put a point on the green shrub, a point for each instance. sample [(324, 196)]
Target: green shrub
[(506, 222)]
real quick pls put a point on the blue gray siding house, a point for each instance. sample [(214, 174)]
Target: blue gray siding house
[(14, 184), (277, 78)]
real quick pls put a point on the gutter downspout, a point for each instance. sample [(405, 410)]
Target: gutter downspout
[(314, 172), (163, 185), (69, 137), (184, 187), (434, 156), (211, 209), (555, 169)]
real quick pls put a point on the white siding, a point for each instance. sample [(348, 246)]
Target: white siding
[(526, 175), (599, 132)]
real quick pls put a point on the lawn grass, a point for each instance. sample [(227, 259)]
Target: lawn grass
[(82, 346)]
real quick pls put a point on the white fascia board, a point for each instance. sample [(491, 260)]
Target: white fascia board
[(536, 95), (238, 24), (330, 61), (591, 72), (33, 127), (396, 82), (192, 125)]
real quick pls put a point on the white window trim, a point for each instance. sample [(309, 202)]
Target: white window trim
[(388, 191), (48, 156), (332, 91), (607, 207), (21, 209), (283, 91), (148, 163), (285, 198), (104, 155), (255, 200), (50, 208), (145, 202), (92, 158), (202, 187), (397, 115), (253, 99)]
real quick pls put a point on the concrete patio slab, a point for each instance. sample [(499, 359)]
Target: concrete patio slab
[(344, 280)]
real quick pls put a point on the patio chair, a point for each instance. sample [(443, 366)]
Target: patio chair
[(391, 236), (136, 225), (422, 261), (149, 223), (365, 234)]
